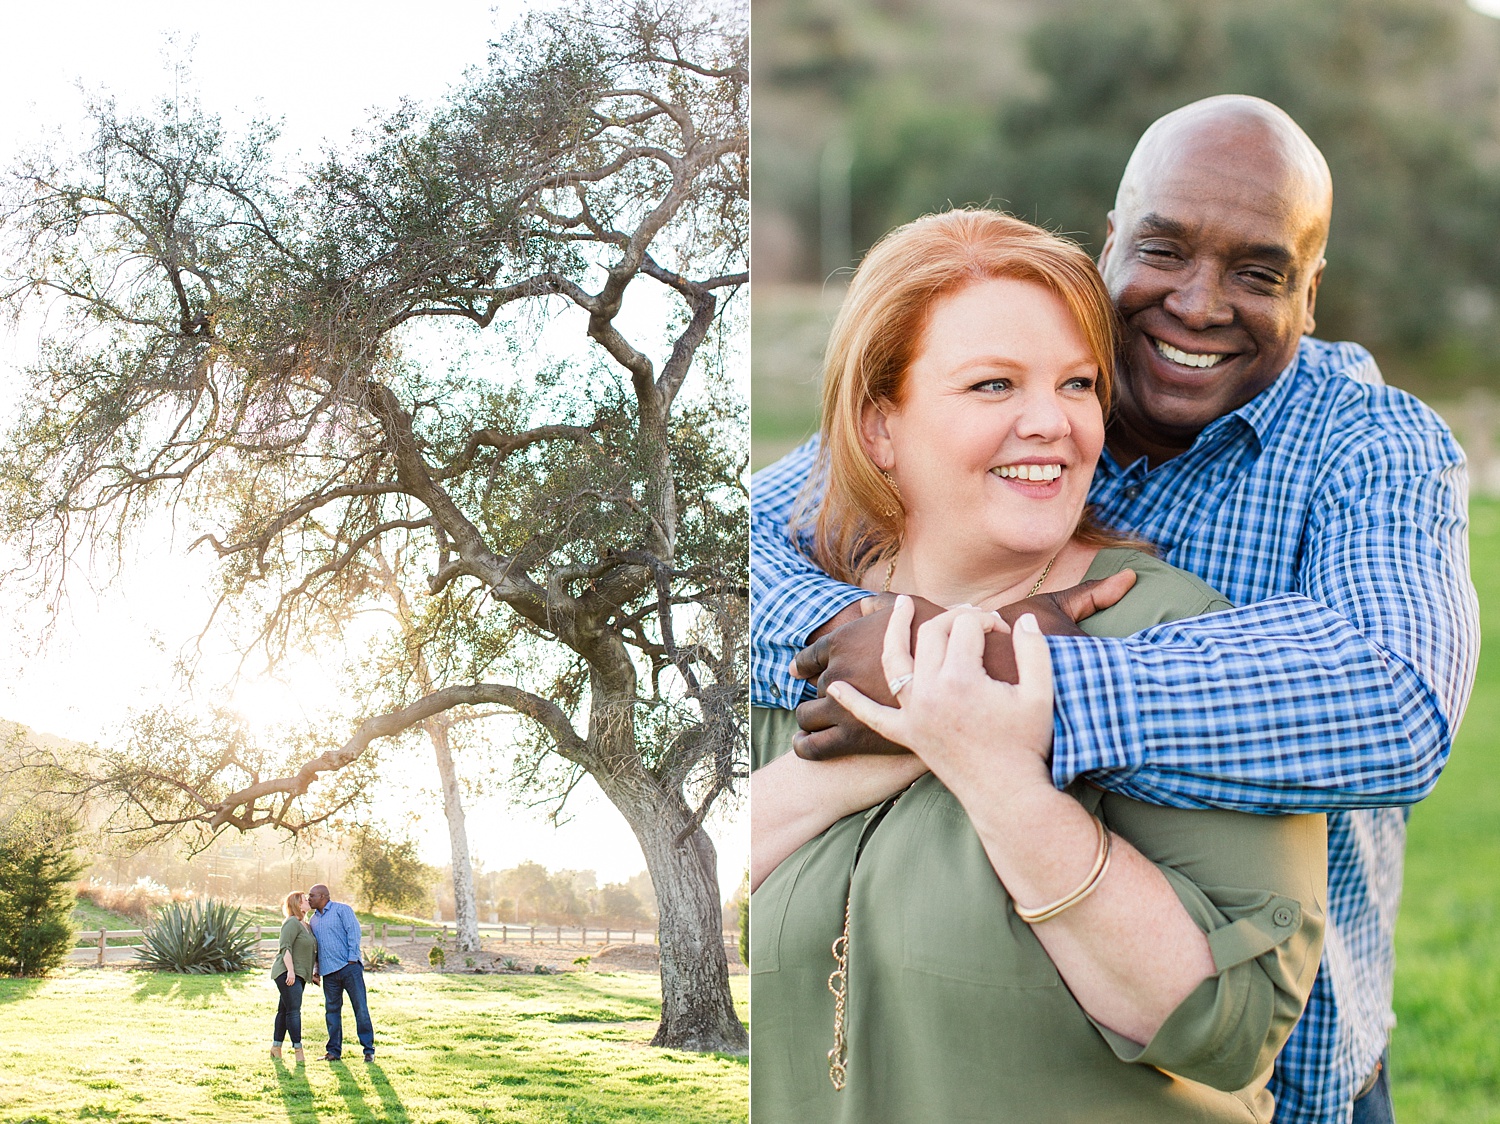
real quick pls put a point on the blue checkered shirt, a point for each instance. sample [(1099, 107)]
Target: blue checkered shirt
[(337, 930), (1333, 509)]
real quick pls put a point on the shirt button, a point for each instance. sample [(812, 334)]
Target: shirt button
[(1132, 492), (1282, 917), (775, 691)]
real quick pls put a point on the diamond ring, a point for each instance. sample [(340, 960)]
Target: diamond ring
[(897, 683)]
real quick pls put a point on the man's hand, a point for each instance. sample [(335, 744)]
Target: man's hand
[(1058, 613), (851, 653)]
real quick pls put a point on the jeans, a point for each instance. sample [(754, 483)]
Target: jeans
[(350, 978), (1375, 1106), (289, 1010)]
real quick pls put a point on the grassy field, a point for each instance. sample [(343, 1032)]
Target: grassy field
[(1445, 1056), (788, 330), (137, 1047)]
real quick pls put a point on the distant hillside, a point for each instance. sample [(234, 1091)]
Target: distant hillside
[(16, 733)]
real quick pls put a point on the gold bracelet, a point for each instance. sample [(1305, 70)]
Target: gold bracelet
[(1090, 884)]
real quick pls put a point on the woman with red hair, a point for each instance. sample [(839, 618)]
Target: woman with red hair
[(944, 935)]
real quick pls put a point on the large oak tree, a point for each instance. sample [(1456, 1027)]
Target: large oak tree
[(273, 357)]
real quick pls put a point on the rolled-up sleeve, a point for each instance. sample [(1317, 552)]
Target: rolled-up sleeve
[(1257, 886)]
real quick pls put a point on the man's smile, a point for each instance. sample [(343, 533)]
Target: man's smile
[(1187, 358)]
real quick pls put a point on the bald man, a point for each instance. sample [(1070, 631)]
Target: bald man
[(1282, 471), (341, 971)]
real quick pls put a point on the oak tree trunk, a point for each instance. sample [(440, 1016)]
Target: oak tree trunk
[(465, 907), (697, 1011)]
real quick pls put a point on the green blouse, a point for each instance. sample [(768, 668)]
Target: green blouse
[(955, 1011), (299, 940)]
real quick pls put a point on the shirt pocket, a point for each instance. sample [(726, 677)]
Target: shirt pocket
[(956, 917), (799, 908), (768, 906)]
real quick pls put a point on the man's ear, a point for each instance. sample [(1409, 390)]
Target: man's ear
[(875, 435), (1309, 324), (1109, 240)]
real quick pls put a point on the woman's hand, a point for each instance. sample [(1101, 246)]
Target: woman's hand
[(291, 979), (1129, 951), (971, 731)]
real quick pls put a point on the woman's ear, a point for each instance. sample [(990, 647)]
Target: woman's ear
[(875, 435)]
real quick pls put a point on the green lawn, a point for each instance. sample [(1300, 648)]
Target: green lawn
[(139, 1047), (88, 919), (789, 328), (1445, 1056)]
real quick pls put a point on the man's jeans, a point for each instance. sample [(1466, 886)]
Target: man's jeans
[(289, 1010), (1375, 1106), (350, 978)]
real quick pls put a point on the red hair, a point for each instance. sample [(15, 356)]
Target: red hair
[(861, 518)]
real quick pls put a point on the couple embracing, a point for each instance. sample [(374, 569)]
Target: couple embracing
[(1138, 617), (320, 943)]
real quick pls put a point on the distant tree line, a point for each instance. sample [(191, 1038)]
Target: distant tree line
[(529, 893), (1403, 96)]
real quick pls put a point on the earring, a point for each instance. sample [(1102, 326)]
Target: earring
[(895, 508)]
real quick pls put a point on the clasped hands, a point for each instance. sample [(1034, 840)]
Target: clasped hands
[(857, 654)]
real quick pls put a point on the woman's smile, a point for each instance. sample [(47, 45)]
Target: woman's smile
[(994, 441)]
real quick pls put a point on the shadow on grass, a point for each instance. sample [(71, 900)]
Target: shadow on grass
[(12, 990), (393, 1111), (197, 991), (296, 1093), (612, 1005)]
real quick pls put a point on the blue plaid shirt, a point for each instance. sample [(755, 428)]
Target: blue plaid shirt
[(1334, 510), (337, 930)]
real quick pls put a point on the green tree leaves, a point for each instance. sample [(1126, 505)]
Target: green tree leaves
[(388, 872), (37, 868)]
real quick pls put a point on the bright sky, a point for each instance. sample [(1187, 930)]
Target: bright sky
[(320, 67)]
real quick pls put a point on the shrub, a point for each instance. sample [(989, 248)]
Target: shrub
[(389, 873), (510, 964), (745, 921), (200, 938), (437, 958), (37, 869), (377, 956)]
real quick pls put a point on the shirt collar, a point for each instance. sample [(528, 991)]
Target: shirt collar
[(1257, 417), (1262, 411)]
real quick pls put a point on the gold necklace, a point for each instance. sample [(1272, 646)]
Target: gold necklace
[(838, 979), (891, 571)]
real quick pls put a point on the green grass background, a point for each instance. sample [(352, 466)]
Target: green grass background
[(1445, 1054), (138, 1047), (89, 918)]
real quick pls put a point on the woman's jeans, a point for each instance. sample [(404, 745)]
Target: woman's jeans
[(289, 1010)]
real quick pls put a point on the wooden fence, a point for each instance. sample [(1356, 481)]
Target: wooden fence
[(383, 933)]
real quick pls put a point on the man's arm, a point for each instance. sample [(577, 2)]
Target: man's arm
[(350, 925), (790, 596), (1345, 694)]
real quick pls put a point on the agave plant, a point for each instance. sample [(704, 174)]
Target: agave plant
[(199, 938), (377, 957)]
